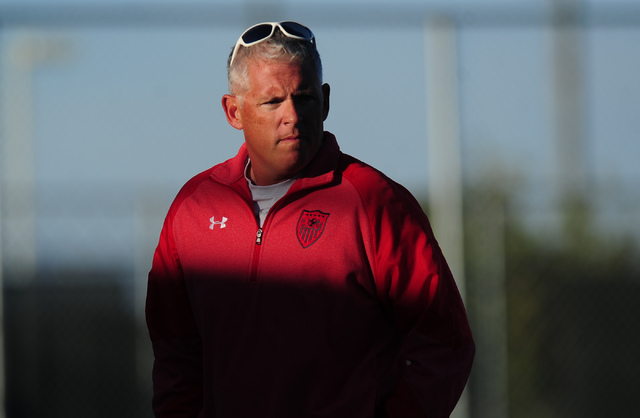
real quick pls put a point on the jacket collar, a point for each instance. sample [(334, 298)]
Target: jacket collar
[(319, 172)]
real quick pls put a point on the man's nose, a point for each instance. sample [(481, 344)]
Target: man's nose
[(291, 116)]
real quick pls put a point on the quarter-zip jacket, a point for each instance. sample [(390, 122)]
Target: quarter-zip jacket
[(342, 305)]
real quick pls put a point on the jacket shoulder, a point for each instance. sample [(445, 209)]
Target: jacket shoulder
[(371, 183), (190, 187)]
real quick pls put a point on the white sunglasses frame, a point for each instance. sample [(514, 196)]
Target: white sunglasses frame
[(274, 25)]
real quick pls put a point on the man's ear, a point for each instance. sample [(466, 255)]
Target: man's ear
[(326, 90), (231, 106)]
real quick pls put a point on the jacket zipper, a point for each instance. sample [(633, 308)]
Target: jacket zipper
[(253, 278)]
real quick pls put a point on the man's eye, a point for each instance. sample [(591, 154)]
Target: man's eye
[(305, 98)]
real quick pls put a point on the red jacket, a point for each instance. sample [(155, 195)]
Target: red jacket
[(342, 305)]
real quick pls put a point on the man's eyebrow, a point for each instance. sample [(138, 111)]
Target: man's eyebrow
[(305, 90), (268, 96)]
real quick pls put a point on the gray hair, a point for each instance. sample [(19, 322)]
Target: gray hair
[(278, 47)]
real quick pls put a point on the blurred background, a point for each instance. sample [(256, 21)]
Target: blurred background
[(515, 123)]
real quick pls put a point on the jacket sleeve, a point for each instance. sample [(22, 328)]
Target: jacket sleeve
[(177, 368), (414, 281)]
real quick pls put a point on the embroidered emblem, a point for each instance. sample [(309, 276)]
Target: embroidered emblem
[(310, 227), (222, 223)]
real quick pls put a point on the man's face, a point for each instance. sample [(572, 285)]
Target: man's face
[(282, 114)]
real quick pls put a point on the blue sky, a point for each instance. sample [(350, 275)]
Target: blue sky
[(138, 109)]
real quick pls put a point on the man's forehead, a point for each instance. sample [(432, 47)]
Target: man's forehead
[(267, 90)]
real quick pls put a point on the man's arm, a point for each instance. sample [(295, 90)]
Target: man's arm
[(177, 368), (415, 282), (434, 376)]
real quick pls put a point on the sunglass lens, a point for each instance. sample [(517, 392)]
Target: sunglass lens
[(297, 29), (257, 33)]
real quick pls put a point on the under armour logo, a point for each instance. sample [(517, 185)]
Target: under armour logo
[(213, 221)]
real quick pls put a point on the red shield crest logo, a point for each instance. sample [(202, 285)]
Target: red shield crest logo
[(311, 226)]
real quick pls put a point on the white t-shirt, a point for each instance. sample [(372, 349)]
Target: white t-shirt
[(264, 197)]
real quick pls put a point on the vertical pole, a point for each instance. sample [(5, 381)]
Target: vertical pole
[(18, 172), (17, 177), (443, 141), (3, 387), (24, 56), (444, 159), (3, 390), (487, 220), (568, 80)]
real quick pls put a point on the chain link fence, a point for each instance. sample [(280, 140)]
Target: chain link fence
[(555, 323), (553, 312)]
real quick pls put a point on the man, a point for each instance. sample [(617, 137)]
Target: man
[(294, 280)]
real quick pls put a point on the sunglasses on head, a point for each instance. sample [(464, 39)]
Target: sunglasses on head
[(263, 31)]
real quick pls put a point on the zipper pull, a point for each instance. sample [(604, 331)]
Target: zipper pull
[(259, 236)]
